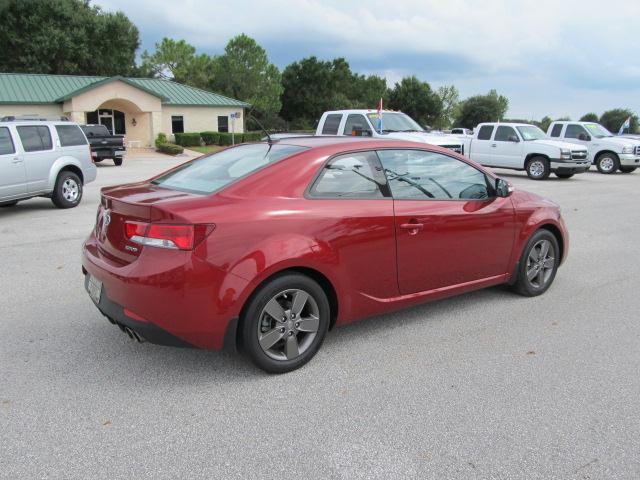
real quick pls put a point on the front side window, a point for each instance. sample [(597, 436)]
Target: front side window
[(503, 134), (356, 125), (35, 138), (213, 172), (70, 135), (485, 132), (331, 124), (557, 130), (421, 175), (574, 131), (6, 144), (352, 175), (177, 124)]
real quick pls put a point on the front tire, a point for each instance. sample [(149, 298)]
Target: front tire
[(285, 323), (607, 163), (538, 264), (538, 168), (68, 190), (628, 169)]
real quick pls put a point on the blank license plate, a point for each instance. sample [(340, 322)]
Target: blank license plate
[(94, 287)]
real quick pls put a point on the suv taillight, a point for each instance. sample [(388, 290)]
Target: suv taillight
[(91, 154), (173, 236)]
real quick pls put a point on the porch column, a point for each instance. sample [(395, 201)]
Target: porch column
[(155, 126)]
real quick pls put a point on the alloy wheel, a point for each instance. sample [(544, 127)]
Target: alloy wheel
[(70, 190), (288, 324), (540, 263), (607, 164), (536, 168)]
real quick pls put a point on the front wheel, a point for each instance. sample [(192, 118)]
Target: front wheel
[(68, 190), (538, 264), (607, 163), (627, 169), (564, 175), (538, 168), (285, 323)]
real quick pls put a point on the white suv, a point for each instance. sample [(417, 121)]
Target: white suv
[(40, 158)]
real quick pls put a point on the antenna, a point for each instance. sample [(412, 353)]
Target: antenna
[(270, 140)]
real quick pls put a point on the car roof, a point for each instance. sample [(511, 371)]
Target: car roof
[(363, 111), (508, 124), (36, 122)]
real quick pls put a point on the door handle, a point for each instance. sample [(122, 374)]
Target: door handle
[(16, 160), (413, 228), (493, 145)]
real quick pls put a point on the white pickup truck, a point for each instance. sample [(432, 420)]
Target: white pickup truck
[(520, 146), (395, 125), (607, 152)]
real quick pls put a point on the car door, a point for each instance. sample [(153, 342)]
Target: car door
[(576, 133), (39, 155), (481, 149), (13, 178), (451, 229), (507, 148)]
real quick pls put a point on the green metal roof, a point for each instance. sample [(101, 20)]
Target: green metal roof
[(24, 88)]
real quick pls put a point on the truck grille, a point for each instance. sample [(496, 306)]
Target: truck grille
[(638, 151), (579, 154), (456, 148)]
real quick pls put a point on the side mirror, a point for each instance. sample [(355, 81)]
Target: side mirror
[(584, 137), (514, 138), (503, 188)]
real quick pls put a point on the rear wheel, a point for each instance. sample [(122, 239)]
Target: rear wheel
[(538, 264), (564, 175), (628, 169), (538, 168), (117, 161), (285, 323), (8, 204), (68, 190), (607, 163)]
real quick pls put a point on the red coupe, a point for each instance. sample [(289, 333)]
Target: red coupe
[(266, 246)]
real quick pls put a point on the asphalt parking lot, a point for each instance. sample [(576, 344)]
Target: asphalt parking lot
[(486, 385)]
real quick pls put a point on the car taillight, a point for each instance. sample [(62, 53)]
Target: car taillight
[(91, 154), (176, 237)]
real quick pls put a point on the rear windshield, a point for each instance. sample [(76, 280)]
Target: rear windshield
[(213, 172), (95, 130)]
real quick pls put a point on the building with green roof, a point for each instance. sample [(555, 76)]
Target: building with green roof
[(138, 108)]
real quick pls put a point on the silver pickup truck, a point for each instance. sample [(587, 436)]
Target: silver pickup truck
[(40, 158)]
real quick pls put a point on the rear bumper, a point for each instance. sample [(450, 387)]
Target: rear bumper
[(89, 173), (104, 154), (629, 160), (167, 297)]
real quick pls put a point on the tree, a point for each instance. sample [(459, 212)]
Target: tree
[(313, 86), (589, 117), (367, 91), (545, 123), (482, 108), (171, 60), (612, 120), (244, 72), (65, 37), (416, 99), (450, 98)]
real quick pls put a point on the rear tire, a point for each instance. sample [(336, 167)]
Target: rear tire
[(117, 162), (607, 163), (68, 190), (8, 204), (564, 175), (538, 168), (628, 169), (538, 264), (285, 323)]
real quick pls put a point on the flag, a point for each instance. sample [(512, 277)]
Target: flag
[(380, 115), (626, 124)]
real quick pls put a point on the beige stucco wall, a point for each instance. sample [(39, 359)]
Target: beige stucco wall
[(94, 98), (46, 110), (200, 119)]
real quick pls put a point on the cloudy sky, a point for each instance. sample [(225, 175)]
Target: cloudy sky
[(556, 58)]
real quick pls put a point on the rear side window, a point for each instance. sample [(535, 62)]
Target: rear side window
[(557, 129), (503, 133), (6, 144), (331, 124), (70, 135), (485, 132), (357, 126), (352, 175), (35, 138), (213, 172)]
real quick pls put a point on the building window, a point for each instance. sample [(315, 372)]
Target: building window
[(177, 124), (223, 124)]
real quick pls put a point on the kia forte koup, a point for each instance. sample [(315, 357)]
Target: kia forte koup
[(267, 246)]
